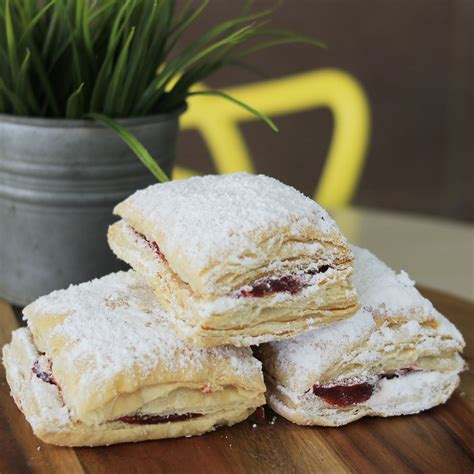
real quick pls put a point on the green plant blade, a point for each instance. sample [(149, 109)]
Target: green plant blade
[(279, 41), (118, 76), (186, 23), (103, 77), (183, 14), (23, 70), (149, 42), (45, 79), (104, 8), (34, 22), (19, 108), (23, 86), (11, 43), (223, 34), (134, 144), (86, 34), (245, 106), (65, 58), (73, 107)]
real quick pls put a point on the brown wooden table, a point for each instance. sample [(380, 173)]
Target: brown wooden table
[(440, 440)]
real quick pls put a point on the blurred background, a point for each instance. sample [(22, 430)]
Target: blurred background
[(413, 62)]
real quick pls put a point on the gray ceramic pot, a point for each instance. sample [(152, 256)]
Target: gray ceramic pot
[(59, 180)]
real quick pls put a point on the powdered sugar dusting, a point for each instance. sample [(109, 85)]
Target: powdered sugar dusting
[(389, 294), (381, 289), (50, 407), (151, 265), (360, 340), (205, 218), (311, 353), (393, 397), (116, 325), (199, 207), (45, 405)]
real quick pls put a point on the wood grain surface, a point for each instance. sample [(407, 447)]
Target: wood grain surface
[(440, 440)]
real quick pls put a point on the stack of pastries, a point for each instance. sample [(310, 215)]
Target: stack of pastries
[(219, 264)]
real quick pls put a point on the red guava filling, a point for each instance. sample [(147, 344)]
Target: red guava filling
[(267, 286), (156, 419), (258, 416), (349, 395), (42, 369), (286, 283), (153, 245), (345, 395)]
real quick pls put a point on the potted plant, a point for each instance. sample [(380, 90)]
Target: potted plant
[(69, 67)]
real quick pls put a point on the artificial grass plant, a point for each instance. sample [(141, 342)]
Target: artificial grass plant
[(106, 59)]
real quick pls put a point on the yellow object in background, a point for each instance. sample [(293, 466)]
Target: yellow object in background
[(218, 122)]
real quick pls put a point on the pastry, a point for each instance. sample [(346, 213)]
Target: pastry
[(236, 259), (397, 356), (99, 364)]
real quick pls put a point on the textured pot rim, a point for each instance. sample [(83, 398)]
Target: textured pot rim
[(27, 121)]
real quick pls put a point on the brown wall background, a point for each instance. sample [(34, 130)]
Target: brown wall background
[(415, 60)]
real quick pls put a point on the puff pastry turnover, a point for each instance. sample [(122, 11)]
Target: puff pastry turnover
[(396, 356), (236, 259), (99, 364)]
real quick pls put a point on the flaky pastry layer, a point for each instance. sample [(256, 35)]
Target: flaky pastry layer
[(233, 319), (396, 355), (113, 352), (43, 406), (358, 348), (219, 233), (406, 395)]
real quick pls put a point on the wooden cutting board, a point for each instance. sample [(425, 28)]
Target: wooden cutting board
[(440, 440)]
